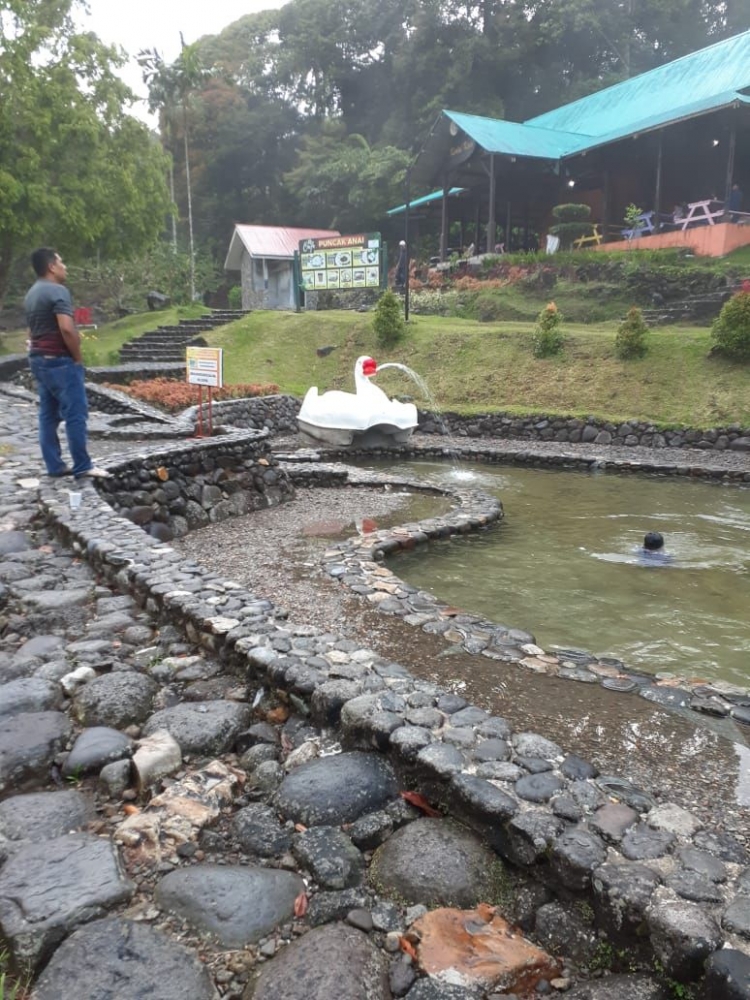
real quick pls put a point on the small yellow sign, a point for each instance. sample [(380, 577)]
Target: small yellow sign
[(205, 366)]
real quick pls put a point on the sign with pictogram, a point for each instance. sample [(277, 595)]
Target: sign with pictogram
[(340, 262)]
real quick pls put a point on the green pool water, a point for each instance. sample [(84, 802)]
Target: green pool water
[(564, 565)]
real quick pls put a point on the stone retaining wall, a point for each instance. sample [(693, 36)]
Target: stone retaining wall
[(586, 430), (648, 868), (196, 484), (279, 413)]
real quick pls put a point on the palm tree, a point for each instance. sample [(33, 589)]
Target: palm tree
[(169, 90)]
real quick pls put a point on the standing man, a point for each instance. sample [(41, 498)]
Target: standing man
[(734, 204), (56, 363), (401, 265)]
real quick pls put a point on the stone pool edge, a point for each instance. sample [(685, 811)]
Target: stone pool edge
[(358, 564), (579, 857)]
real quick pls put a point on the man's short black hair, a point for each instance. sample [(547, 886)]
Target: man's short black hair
[(653, 541), (42, 259)]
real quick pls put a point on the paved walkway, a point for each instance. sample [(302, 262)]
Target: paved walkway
[(60, 576)]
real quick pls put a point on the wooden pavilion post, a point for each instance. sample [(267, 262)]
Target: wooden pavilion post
[(444, 221), (606, 207), (730, 163), (491, 214), (657, 192)]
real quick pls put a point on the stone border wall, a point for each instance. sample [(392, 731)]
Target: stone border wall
[(580, 833), (280, 412), (587, 431)]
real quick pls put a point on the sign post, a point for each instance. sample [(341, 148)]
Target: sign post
[(343, 263), (205, 366)]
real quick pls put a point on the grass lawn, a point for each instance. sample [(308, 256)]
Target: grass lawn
[(470, 367), (475, 367)]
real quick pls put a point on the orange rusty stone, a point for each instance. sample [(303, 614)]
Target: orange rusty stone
[(479, 948)]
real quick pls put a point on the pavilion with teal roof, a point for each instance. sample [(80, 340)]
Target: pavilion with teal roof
[(678, 134)]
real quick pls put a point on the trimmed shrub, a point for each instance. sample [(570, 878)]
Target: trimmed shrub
[(234, 297), (731, 328), (388, 321), (571, 221), (548, 338), (630, 341)]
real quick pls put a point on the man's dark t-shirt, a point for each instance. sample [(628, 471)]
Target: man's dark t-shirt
[(44, 302)]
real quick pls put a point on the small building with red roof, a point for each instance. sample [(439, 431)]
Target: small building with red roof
[(264, 256)]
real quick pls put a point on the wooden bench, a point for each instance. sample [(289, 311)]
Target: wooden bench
[(595, 236)]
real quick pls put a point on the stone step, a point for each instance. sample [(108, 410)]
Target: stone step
[(166, 344), (162, 354), (169, 338)]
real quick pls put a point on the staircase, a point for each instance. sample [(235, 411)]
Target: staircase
[(692, 309), (166, 345)]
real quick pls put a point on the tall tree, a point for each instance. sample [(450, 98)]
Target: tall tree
[(170, 89), (342, 182), (75, 169)]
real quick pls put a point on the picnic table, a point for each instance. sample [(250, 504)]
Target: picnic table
[(706, 211), (643, 226)]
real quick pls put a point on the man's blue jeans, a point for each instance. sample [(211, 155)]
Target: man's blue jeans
[(62, 396)]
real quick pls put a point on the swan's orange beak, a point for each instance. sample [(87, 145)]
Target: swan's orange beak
[(369, 367)]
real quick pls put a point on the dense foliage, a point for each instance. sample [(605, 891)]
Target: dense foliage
[(305, 115), (313, 110), (76, 170)]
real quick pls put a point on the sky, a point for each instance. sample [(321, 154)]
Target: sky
[(149, 24)]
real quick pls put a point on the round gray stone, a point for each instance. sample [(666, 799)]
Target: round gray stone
[(538, 787), (736, 917), (117, 700), (683, 935), (435, 862), (28, 745), (29, 694), (333, 961), (51, 887), (237, 905), (94, 748), (206, 727), (728, 975), (330, 857), (641, 842), (533, 745), (13, 541), (44, 815), (338, 789), (258, 831), (119, 958)]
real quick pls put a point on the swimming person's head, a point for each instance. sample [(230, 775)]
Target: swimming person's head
[(653, 541)]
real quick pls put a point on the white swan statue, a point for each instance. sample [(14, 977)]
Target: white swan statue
[(364, 417)]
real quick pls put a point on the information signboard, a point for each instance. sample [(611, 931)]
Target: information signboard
[(340, 262), (205, 366)]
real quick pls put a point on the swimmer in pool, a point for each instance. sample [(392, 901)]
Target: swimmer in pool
[(652, 553)]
